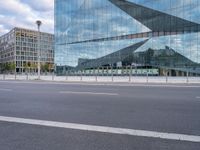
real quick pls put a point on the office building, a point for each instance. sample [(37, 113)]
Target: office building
[(95, 34), (19, 51)]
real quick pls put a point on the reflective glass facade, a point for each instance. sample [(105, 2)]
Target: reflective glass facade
[(157, 33)]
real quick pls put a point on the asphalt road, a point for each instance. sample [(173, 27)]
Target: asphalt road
[(158, 108)]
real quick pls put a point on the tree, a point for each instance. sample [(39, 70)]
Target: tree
[(26, 67), (50, 67), (12, 66), (45, 67), (1, 67), (6, 67), (33, 66)]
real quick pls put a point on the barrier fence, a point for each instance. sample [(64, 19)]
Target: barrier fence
[(98, 78)]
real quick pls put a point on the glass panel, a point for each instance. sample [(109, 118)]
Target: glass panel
[(89, 30)]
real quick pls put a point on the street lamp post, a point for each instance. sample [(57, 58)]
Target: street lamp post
[(39, 23)]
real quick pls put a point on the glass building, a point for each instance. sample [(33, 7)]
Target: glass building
[(162, 34)]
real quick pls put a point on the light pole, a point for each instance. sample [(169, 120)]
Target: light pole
[(39, 23)]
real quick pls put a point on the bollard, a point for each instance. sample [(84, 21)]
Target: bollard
[(112, 78), (15, 76), (81, 77), (27, 76), (66, 77), (96, 78), (130, 74), (4, 77), (53, 76), (187, 77), (112, 74), (166, 75), (66, 74), (147, 77)]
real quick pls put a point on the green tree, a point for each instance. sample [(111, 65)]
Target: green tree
[(50, 67), (45, 67), (1, 67), (26, 67), (6, 67), (12, 67), (33, 66)]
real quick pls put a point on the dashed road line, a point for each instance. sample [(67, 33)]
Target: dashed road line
[(88, 93), (104, 129), (6, 90)]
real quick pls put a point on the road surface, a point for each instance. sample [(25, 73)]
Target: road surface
[(40, 115)]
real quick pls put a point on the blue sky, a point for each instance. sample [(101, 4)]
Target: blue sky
[(24, 13)]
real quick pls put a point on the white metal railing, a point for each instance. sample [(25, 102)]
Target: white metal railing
[(126, 79)]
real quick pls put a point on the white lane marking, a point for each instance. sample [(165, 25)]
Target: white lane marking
[(104, 129), (7, 90), (198, 97), (88, 93)]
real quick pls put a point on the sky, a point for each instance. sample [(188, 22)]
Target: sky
[(24, 13)]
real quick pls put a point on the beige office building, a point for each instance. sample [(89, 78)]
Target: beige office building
[(19, 51)]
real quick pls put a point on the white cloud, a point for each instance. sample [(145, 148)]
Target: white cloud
[(40, 5), (24, 13)]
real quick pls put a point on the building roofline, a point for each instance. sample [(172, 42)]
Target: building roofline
[(30, 30), (21, 28)]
